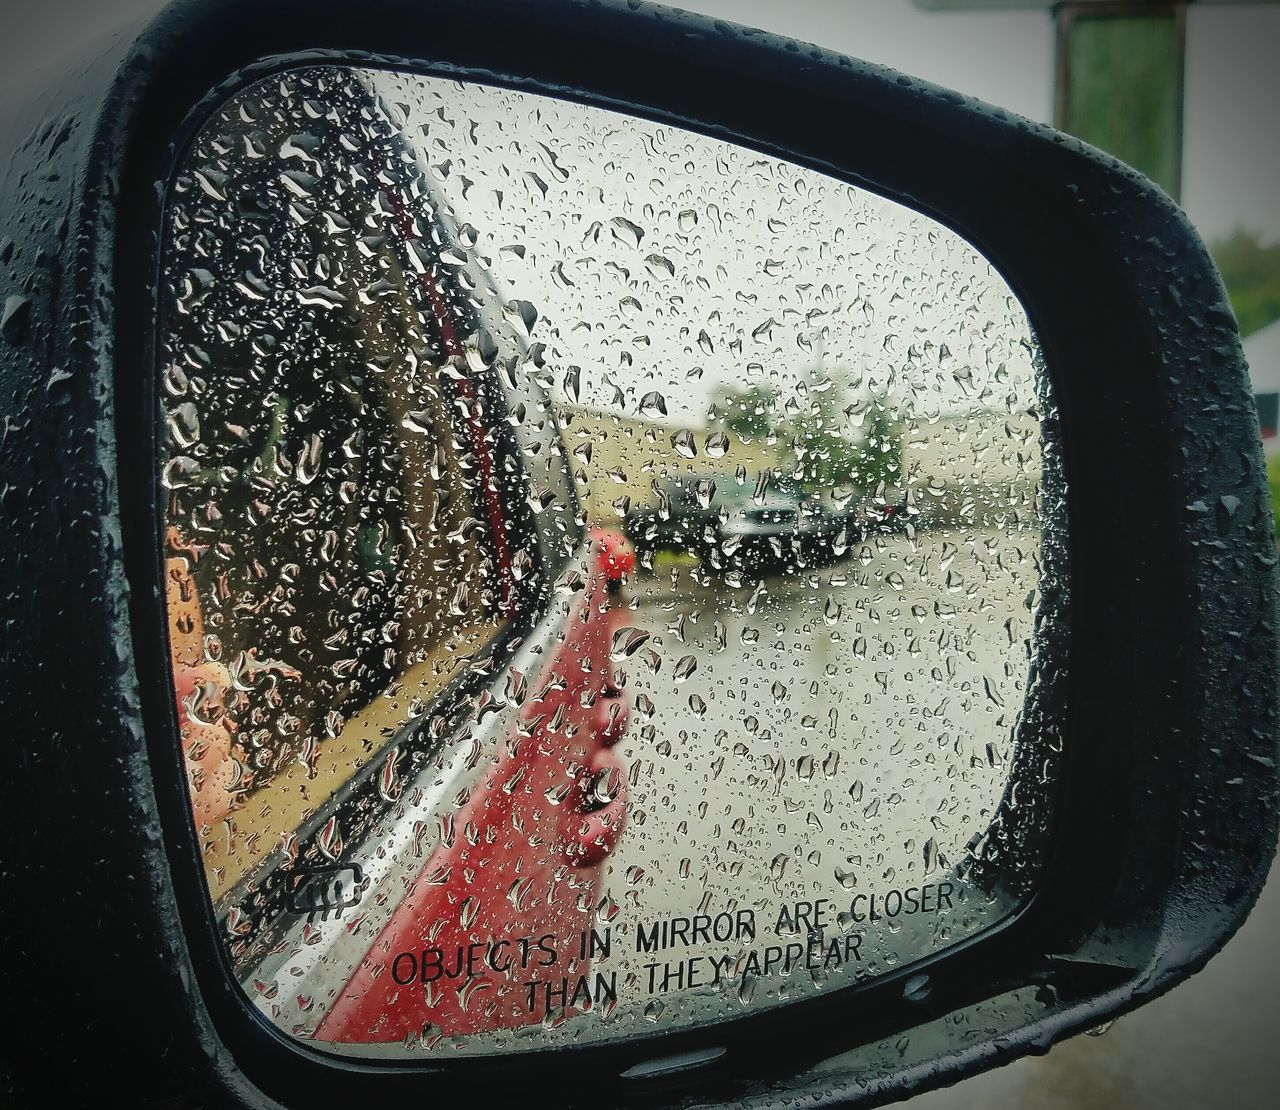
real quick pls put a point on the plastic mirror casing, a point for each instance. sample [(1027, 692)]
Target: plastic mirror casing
[(1167, 694)]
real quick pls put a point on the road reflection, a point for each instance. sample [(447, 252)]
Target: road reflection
[(822, 731)]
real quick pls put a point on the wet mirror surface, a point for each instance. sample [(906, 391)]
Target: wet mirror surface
[(608, 570)]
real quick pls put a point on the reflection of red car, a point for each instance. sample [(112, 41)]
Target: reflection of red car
[(410, 640), (496, 930)]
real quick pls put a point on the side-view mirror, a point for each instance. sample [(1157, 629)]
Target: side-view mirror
[(572, 540)]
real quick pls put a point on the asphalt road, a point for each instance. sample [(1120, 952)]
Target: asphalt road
[(1211, 1042), (840, 733)]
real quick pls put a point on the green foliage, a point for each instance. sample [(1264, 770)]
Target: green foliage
[(1125, 86), (752, 412), (880, 449), (824, 457), (1251, 273), (820, 453)]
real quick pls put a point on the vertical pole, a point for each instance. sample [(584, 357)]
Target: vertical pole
[(1119, 81)]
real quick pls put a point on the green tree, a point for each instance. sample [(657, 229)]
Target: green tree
[(878, 453), (1251, 273), (819, 451), (752, 412), (818, 454)]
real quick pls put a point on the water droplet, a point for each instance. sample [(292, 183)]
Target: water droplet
[(653, 404), (685, 445), (15, 318), (626, 232), (626, 642), (716, 445), (917, 988)]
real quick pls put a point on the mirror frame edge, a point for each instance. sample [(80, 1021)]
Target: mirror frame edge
[(1023, 152)]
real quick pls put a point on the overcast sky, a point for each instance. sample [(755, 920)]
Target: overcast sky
[(661, 260)]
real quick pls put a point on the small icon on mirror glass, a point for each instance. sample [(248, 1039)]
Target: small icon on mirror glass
[(326, 890)]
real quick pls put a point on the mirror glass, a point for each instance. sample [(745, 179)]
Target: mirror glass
[(608, 570)]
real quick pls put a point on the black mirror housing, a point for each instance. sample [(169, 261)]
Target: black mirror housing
[(1165, 701)]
